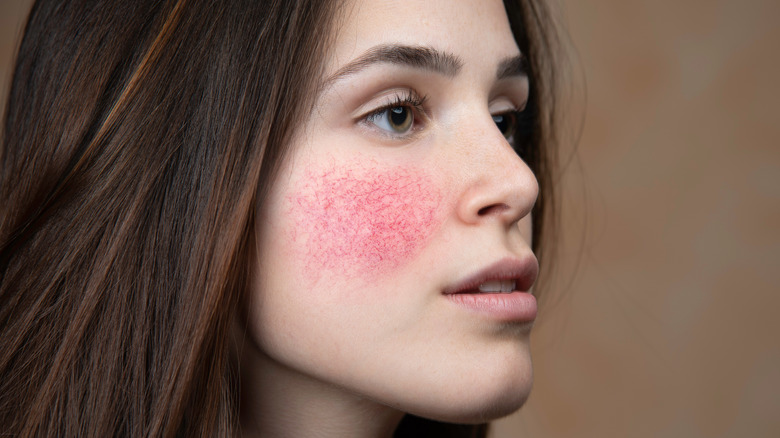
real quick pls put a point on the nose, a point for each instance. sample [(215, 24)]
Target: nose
[(498, 185)]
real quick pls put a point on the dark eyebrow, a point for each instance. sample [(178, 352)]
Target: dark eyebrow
[(514, 66), (419, 57)]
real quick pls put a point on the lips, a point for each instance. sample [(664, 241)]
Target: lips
[(505, 276), (500, 291)]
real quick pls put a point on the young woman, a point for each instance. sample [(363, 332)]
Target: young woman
[(279, 218)]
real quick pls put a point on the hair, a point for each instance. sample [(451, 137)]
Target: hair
[(139, 139)]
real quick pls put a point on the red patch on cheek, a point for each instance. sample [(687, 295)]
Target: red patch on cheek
[(362, 222)]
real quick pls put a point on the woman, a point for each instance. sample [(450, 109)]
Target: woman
[(278, 219)]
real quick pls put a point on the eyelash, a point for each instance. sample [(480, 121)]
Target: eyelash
[(522, 130), (410, 100)]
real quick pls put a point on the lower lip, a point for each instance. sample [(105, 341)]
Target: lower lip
[(515, 306)]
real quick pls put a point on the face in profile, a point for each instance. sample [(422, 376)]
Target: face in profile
[(394, 252)]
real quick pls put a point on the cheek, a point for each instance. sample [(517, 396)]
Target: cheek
[(362, 222)]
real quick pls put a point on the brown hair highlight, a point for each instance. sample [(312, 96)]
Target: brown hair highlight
[(131, 165), (138, 141)]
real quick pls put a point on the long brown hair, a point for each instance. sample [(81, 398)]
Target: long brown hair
[(138, 141)]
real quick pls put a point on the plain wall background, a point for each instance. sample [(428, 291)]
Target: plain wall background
[(669, 326)]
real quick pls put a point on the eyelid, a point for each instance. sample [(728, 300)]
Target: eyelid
[(399, 97), (388, 99), (505, 105)]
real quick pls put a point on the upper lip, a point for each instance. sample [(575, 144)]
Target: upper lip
[(522, 271)]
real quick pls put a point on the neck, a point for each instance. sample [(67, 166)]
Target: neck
[(280, 402)]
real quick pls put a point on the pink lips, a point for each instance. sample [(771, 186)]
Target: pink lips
[(518, 305)]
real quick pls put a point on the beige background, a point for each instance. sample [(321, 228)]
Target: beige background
[(668, 327)]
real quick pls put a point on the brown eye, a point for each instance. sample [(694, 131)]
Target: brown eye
[(396, 119), (506, 123), (400, 118)]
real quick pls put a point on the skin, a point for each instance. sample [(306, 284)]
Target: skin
[(347, 327), (361, 219)]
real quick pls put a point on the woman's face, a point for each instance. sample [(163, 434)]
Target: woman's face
[(401, 215)]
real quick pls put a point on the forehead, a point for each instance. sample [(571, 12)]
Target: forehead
[(475, 30)]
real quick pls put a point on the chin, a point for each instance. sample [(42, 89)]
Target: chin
[(488, 409), (476, 413), (483, 400)]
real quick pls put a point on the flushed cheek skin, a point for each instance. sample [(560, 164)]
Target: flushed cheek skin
[(362, 221)]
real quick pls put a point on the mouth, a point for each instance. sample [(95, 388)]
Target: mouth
[(505, 276), (497, 286), (500, 291)]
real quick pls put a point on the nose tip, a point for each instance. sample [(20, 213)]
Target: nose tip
[(499, 185), (508, 200)]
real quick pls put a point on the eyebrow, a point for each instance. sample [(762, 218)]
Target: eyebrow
[(511, 67), (418, 57), (423, 58)]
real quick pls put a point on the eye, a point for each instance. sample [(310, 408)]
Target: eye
[(396, 119), (402, 115), (518, 126), (506, 123)]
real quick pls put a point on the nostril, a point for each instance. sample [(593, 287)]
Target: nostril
[(494, 209)]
